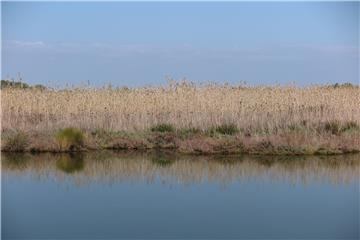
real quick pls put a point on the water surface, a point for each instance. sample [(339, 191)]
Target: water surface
[(157, 195)]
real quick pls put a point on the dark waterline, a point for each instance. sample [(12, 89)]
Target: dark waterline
[(127, 195)]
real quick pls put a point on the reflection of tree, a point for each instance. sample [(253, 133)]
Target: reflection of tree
[(70, 163)]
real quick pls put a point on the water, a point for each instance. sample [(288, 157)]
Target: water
[(127, 195)]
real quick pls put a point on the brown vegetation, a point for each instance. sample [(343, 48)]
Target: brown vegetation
[(189, 118)]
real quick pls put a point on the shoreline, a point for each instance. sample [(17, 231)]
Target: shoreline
[(290, 143)]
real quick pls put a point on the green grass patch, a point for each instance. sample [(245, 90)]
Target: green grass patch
[(351, 126), (188, 132), (163, 127), (336, 127), (224, 129), (103, 134)]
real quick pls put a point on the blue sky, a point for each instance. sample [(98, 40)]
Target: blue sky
[(136, 44)]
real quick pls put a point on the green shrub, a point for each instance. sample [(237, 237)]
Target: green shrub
[(186, 132), (16, 142), (70, 139), (226, 129), (164, 127)]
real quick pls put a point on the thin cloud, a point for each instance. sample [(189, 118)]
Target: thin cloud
[(183, 51), (28, 43)]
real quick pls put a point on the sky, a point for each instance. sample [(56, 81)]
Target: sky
[(143, 43)]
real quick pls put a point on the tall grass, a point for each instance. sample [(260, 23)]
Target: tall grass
[(181, 106)]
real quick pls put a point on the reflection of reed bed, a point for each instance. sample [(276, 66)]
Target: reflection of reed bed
[(171, 169)]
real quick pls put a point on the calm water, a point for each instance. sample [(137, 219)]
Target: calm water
[(117, 195)]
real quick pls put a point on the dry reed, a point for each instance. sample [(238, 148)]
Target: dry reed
[(182, 105)]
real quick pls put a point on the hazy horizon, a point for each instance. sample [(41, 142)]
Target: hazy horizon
[(140, 43)]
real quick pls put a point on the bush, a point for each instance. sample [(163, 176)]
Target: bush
[(163, 128), (70, 139), (226, 129), (17, 142)]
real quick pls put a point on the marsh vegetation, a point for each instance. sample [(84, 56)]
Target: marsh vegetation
[(183, 116)]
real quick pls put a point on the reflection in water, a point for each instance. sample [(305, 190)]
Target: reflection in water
[(70, 163), (111, 195), (111, 167), (162, 159), (15, 161)]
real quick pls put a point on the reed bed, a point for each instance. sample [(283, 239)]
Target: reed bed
[(182, 105)]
